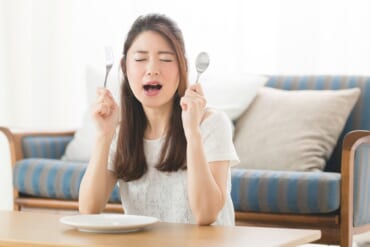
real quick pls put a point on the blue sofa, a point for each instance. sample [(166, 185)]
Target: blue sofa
[(336, 201)]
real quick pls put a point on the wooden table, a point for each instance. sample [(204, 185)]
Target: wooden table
[(44, 229)]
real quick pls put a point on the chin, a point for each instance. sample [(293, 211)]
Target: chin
[(155, 104)]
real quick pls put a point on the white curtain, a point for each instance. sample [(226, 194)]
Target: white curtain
[(45, 45), (40, 63)]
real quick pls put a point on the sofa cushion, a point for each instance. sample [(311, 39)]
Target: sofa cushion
[(285, 191), (51, 178), (80, 148), (232, 94), (52, 147), (359, 119), (252, 190), (292, 130)]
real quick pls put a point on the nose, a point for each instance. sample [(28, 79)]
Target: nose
[(153, 68)]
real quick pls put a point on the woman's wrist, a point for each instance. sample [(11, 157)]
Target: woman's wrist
[(193, 135), (104, 137)]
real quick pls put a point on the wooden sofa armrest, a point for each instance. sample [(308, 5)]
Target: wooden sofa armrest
[(351, 142), (11, 141), (14, 138)]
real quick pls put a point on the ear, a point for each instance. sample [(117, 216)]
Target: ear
[(123, 64)]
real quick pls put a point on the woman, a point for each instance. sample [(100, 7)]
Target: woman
[(171, 156)]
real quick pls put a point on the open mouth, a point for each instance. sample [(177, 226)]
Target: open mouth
[(152, 87)]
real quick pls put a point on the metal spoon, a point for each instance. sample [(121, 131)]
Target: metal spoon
[(201, 63)]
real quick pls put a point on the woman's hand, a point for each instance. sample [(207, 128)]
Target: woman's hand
[(193, 104), (105, 112)]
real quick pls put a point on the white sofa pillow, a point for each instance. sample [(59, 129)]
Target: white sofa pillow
[(292, 130), (81, 146), (232, 94)]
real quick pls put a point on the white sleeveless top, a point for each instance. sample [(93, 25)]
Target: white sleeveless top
[(164, 195)]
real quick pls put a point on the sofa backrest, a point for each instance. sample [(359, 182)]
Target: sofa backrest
[(359, 118)]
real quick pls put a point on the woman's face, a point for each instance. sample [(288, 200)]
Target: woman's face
[(152, 70)]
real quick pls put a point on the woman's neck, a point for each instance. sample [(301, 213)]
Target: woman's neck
[(158, 121)]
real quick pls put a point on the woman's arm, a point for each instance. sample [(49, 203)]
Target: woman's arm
[(206, 183), (98, 182)]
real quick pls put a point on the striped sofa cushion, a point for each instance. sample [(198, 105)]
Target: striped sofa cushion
[(285, 192), (51, 147), (52, 178), (358, 119)]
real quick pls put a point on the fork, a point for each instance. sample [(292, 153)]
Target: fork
[(108, 62)]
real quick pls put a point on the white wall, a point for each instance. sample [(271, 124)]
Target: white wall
[(5, 177), (48, 43), (5, 173), (43, 67), (4, 96)]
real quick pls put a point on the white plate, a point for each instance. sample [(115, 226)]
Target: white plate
[(108, 223)]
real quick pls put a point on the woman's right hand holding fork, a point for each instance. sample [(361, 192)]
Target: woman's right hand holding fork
[(105, 113)]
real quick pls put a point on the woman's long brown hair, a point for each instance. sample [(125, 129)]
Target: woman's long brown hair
[(129, 161)]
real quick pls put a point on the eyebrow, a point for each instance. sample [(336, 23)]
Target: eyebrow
[(160, 52)]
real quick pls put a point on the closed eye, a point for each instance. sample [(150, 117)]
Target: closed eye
[(166, 60), (139, 59)]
